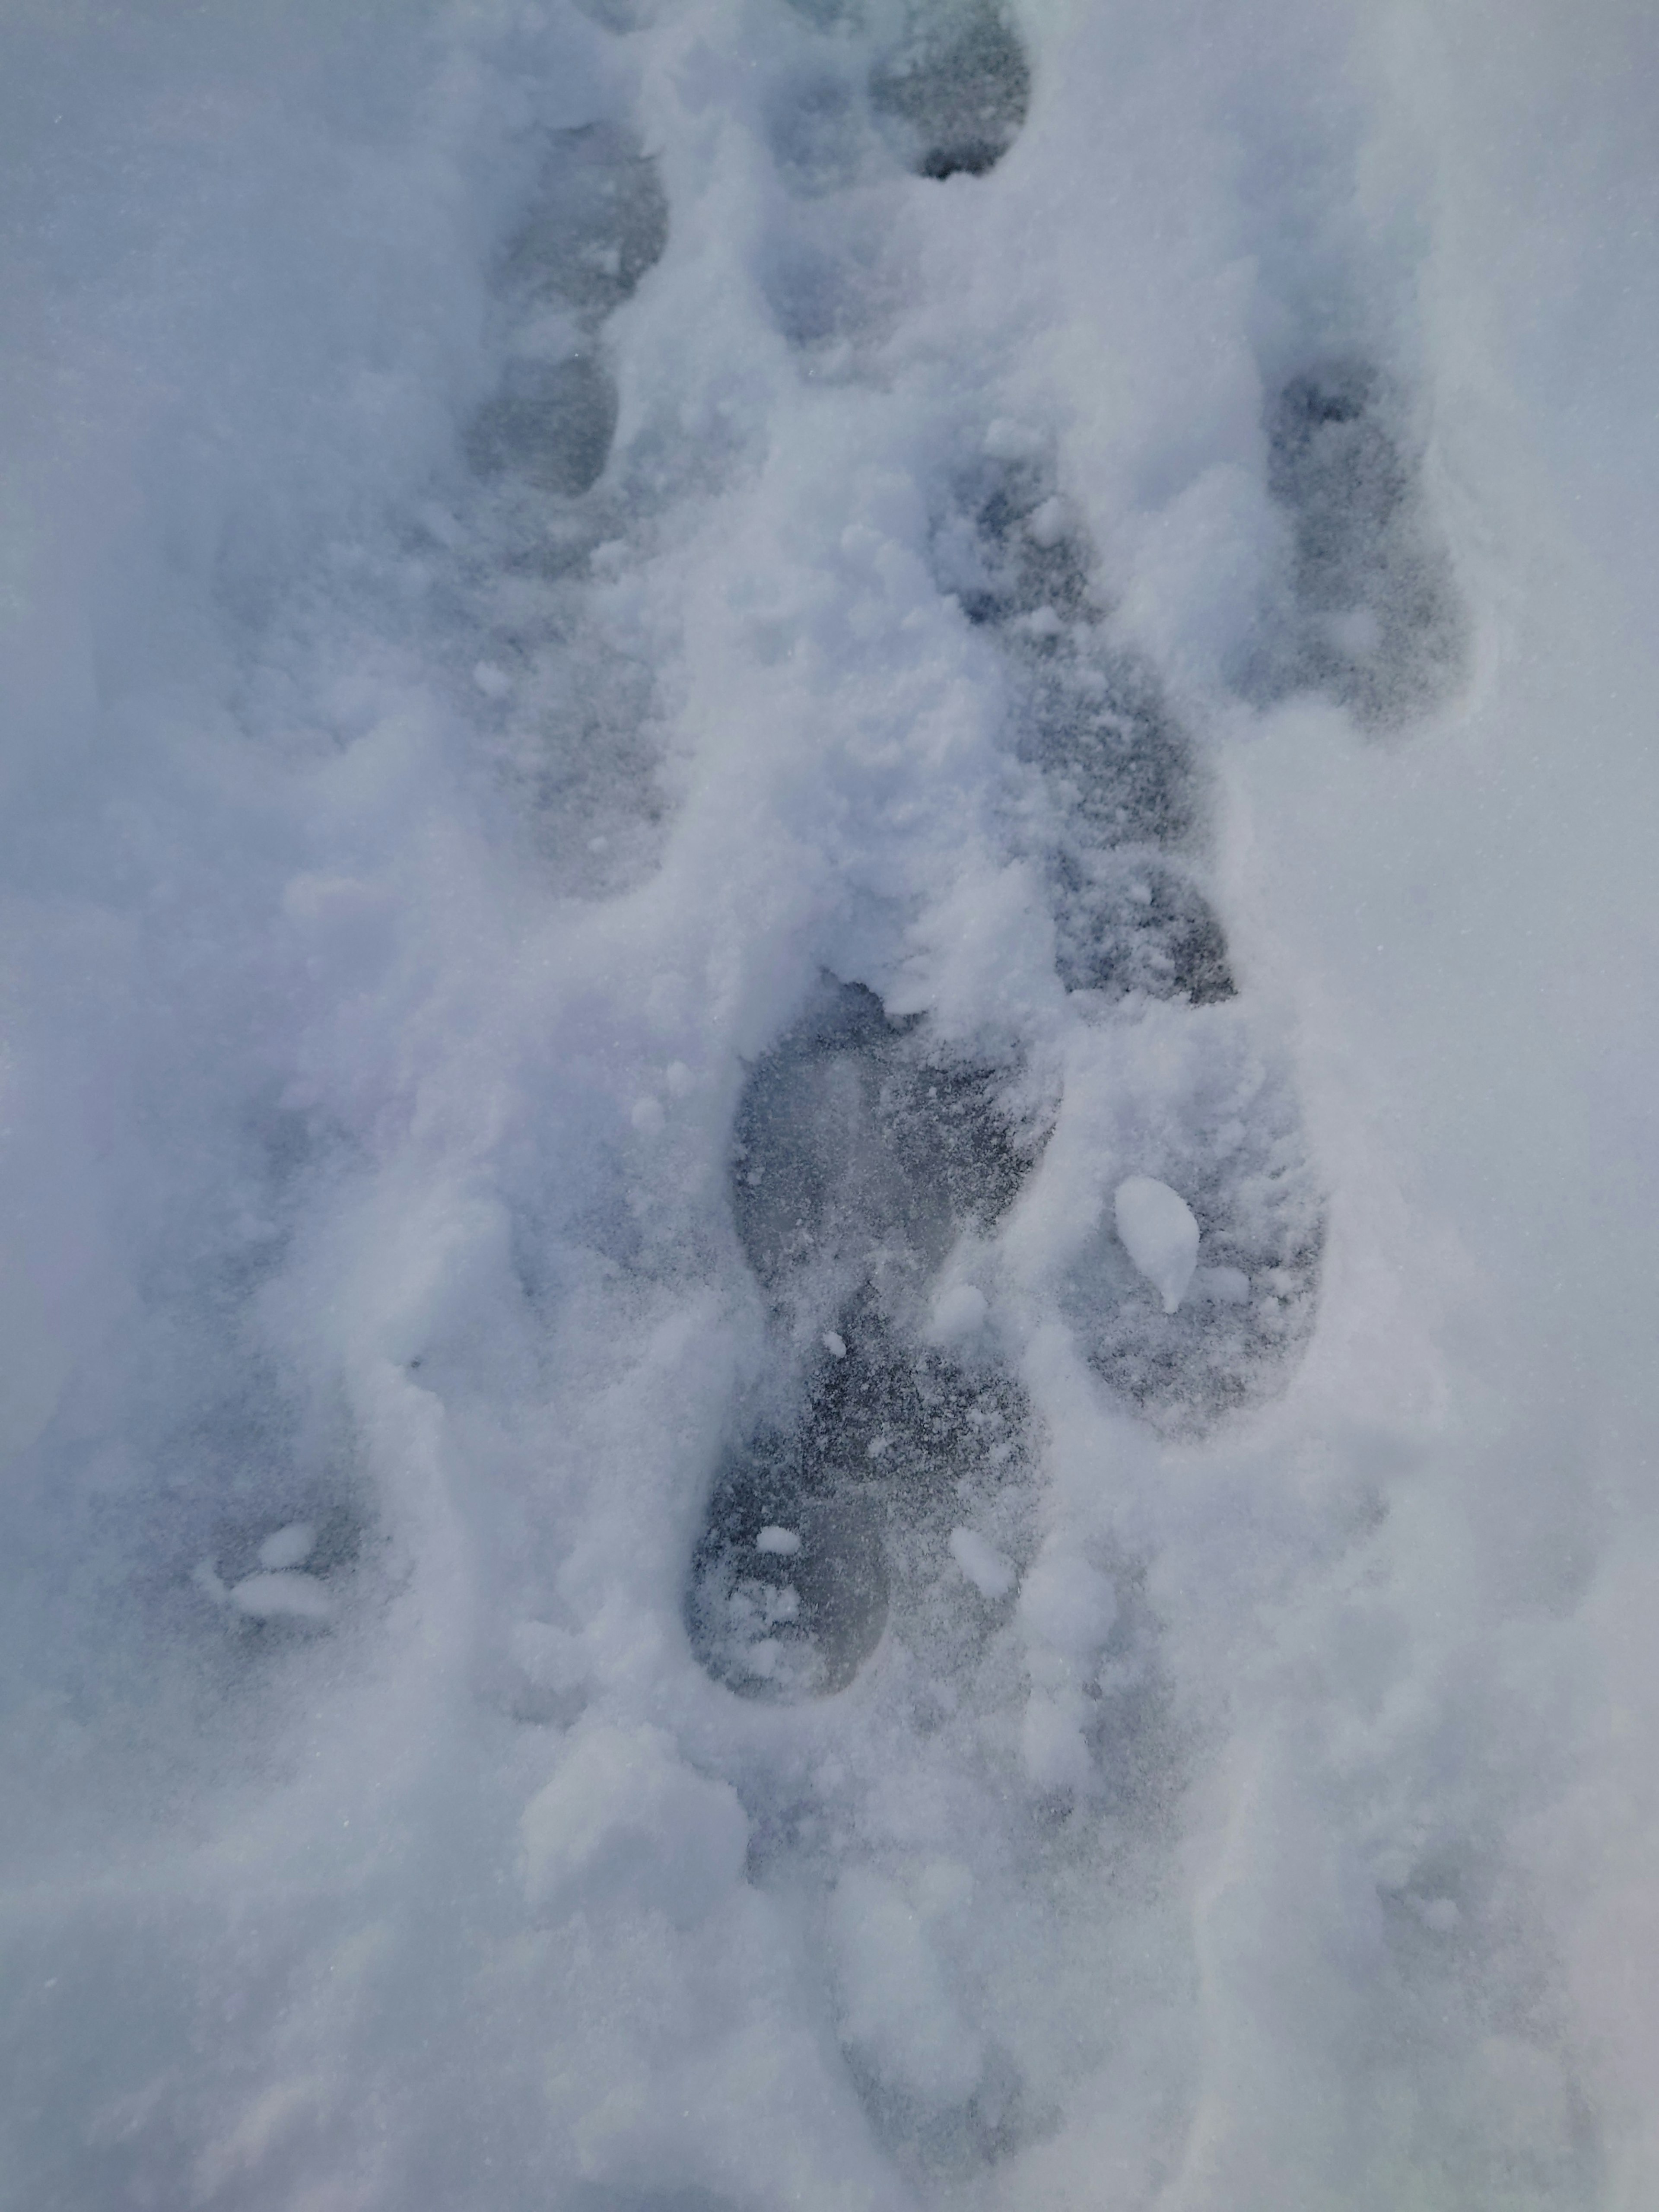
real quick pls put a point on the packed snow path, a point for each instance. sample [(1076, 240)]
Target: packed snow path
[(828, 1226)]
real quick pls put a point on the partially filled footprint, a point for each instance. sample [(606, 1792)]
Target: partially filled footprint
[(1375, 618), (598, 222)]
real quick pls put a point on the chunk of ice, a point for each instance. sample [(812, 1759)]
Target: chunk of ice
[(289, 1547), (1159, 1234), (991, 1575), (283, 1596), (785, 1542)]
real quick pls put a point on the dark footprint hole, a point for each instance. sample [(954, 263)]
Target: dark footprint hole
[(1119, 764), (789, 1592), (1013, 549), (790, 1583), (550, 422), (954, 96), (855, 1151), (599, 223), (1129, 922), (1244, 1323)]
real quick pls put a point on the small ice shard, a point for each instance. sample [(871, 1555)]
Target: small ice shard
[(834, 1345), (1159, 1234), (785, 1542), (991, 1575), (283, 1596), (289, 1547)]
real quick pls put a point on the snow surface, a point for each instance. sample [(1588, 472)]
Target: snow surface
[(531, 536)]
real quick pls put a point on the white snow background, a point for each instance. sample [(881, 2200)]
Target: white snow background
[(377, 999)]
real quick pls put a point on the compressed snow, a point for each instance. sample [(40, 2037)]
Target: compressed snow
[(1159, 1234), (623, 1820), (895, 2003), (1064, 1602)]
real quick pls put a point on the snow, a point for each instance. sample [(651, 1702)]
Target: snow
[(1066, 1603), (624, 1820), (546, 549)]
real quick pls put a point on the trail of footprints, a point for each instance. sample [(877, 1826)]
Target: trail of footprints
[(861, 1154), (885, 1476)]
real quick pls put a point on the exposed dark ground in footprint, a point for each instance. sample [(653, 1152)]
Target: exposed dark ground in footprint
[(1375, 617)]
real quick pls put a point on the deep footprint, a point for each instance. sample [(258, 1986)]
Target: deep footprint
[(859, 1156), (953, 95), (794, 1572)]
